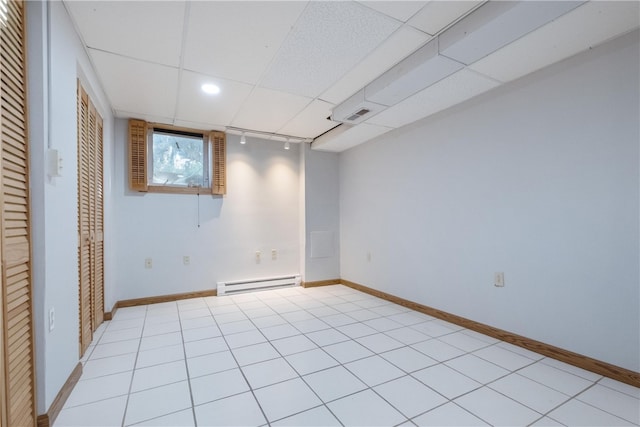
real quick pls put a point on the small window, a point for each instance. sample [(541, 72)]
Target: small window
[(174, 160), (179, 159)]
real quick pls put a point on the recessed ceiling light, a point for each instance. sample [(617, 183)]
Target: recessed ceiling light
[(210, 89)]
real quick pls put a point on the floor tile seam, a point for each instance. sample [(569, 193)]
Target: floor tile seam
[(544, 359), (471, 353), (518, 371), (441, 394), (111, 355), (619, 391), (543, 414), (154, 418), (264, 414), (94, 401), (294, 370), (120, 340), (109, 374), (577, 397), (464, 409), (135, 363), (497, 344), (186, 367), (119, 331), (483, 383)]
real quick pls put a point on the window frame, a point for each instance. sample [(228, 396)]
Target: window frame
[(138, 159), (206, 153)]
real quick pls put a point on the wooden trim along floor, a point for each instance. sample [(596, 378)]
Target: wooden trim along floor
[(320, 283), (599, 367), (158, 299), (47, 419), (612, 371)]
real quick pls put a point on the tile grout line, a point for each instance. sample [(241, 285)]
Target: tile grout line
[(133, 372), (238, 364)]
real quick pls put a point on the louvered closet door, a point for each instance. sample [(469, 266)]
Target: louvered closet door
[(97, 240), (17, 407), (90, 218), (84, 223)]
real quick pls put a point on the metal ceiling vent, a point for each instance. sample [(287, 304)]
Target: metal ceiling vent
[(358, 114), (251, 285)]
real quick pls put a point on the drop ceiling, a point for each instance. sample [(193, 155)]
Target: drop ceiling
[(283, 67)]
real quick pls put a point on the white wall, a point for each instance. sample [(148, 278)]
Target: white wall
[(52, 123), (322, 214), (538, 179), (260, 212)]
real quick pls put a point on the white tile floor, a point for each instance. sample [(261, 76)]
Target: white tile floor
[(320, 357)]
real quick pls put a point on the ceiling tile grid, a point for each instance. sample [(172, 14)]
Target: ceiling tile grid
[(283, 67), (329, 39), (237, 40), (268, 110), (137, 86), (146, 30), (217, 110)]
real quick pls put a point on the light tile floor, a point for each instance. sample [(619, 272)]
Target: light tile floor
[(322, 357)]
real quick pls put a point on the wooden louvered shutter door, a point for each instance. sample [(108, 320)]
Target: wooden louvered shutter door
[(218, 143), (84, 223), (90, 218), (138, 155), (16, 313), (97, 289)]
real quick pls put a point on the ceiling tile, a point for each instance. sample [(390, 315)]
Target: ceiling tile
[(268, 110), (578, 30), (438, 14), (137, 86), (328, 40), (130, 28), (344, 137), (447, 92), (397, 9), (215, 110), (401, 43), (237, 40), (311, 122)]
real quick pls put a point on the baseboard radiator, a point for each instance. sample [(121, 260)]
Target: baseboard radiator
[(240, 286)]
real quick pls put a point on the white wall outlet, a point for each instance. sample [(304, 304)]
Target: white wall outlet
[(274, 254), (148, 263), (52, 319), (498, 279), (258, 257), (186, 260)]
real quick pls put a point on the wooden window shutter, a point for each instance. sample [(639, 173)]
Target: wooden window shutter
[(138, 155), (218, 142)]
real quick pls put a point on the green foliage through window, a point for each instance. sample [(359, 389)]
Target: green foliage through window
[(179, 160)]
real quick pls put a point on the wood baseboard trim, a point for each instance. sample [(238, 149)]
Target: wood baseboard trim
[(47, 420), (599, 367), (108, 315), (320, 283), (165, 298)]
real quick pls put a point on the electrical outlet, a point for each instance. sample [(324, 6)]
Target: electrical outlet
[(498, 279), (258, 256), (148, 263), (52, 319), (186, 260), (368, 256), (274, 254)]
